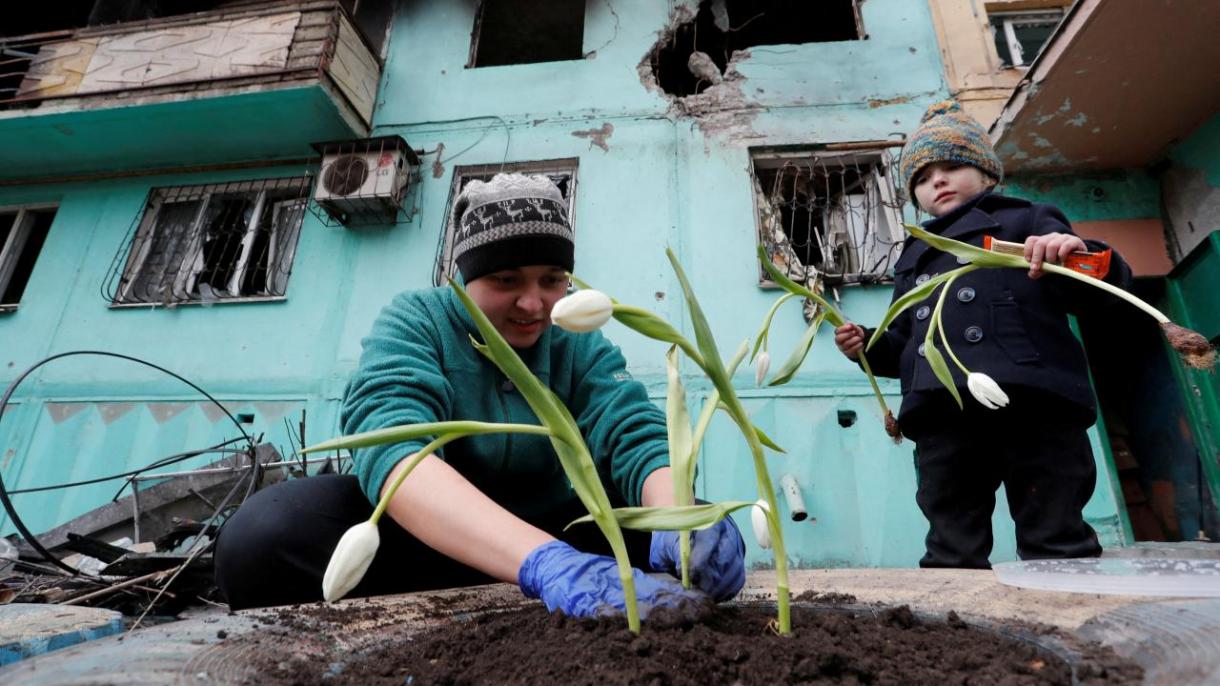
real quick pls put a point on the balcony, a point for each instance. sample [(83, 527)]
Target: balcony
[(254, 82)]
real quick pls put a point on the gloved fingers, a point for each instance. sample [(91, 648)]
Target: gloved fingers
[(655, 592), (663, 552), (718, 561)]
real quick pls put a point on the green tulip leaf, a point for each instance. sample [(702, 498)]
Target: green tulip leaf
[(973, 253), (915, 295), (790, 366), (781, 279), (680, 518), (407, 432)]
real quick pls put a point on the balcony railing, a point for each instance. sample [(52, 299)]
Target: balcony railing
[(263, 44)]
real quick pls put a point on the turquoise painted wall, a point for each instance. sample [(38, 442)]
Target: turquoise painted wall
[(1120, 194), (1199, 150), (663, 180)]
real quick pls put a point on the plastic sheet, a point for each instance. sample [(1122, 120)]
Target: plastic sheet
[(1143, 576)]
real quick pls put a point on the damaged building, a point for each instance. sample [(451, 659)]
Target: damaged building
[(231, 190)]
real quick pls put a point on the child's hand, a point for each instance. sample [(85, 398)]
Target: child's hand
[(1052, 248), (850, 339)]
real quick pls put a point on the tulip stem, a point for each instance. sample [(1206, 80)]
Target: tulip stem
[(940, 325), (1109, 288)]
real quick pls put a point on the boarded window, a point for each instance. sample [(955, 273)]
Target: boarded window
[(524, 32), (22, 233), (216, 242), (832, 216), (561, 172)]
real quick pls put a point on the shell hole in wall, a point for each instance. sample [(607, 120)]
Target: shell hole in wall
[(694, 54)]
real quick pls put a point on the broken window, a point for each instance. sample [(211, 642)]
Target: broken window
[(22, 233), (1020, 36), (514, 32), (202, 244), (561, 172), (694, 55), (833, 216)]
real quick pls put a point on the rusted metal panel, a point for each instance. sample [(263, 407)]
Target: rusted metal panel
[(354, 70)]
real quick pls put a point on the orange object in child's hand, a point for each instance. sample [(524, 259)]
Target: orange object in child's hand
[(1095, 264)]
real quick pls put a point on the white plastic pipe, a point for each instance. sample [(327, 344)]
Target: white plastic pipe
[(792, 493)]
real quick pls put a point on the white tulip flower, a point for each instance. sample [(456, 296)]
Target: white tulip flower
[(986, 391), (350, 561), (761, 364), (583, 311), (758, 517)]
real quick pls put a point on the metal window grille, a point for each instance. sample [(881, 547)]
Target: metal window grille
[(561, 172), (833, 218), (1020, 36), (210, 243), (22, 233)]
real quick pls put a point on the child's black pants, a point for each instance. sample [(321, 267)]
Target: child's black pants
[(1046, 466)]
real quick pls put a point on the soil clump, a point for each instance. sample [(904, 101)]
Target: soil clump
[(735, 644)]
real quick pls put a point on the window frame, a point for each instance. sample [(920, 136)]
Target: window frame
[(192, 263), (888, 194), (1008, 20), (15, 243), (444, 266)]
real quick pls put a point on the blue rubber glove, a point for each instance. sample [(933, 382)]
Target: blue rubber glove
[(586, 585), (717, 558)]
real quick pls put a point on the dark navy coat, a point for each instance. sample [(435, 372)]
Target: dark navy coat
[(998, 321)]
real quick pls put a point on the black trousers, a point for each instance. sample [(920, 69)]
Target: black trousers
[(1045, 464), (275, 548)]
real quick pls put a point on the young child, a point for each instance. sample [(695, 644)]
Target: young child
[(1009, 324)]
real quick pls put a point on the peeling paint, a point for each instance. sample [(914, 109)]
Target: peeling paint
[(212, 412), (163, 412), (62, 411), (438, 169), (272, 412), (1040, 142), (874, 103), (597, 136), (112, 412), (1063, 109)]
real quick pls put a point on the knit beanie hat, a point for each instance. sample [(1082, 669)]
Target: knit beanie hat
[(947, 134), (512, 221)]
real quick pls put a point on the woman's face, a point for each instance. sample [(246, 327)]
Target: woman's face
[(942, 186), (518, 301)]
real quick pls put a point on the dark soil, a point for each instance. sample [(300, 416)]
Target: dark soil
[(734, 645)]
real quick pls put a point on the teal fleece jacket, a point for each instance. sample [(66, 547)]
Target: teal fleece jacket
[(418, 365)]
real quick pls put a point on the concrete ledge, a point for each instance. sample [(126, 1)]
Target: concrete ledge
[(28, 629)]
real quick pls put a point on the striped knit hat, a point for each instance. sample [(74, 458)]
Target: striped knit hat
[(947, 134), (512, 221)]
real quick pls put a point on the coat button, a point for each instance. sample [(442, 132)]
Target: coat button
[(923, 312), (920, 349), (965, 294), (974, 334), (922, 279)]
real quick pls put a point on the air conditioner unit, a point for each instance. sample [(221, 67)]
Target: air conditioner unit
[(364, 181)]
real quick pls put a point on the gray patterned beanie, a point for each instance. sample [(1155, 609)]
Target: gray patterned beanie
[(512, 221)]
